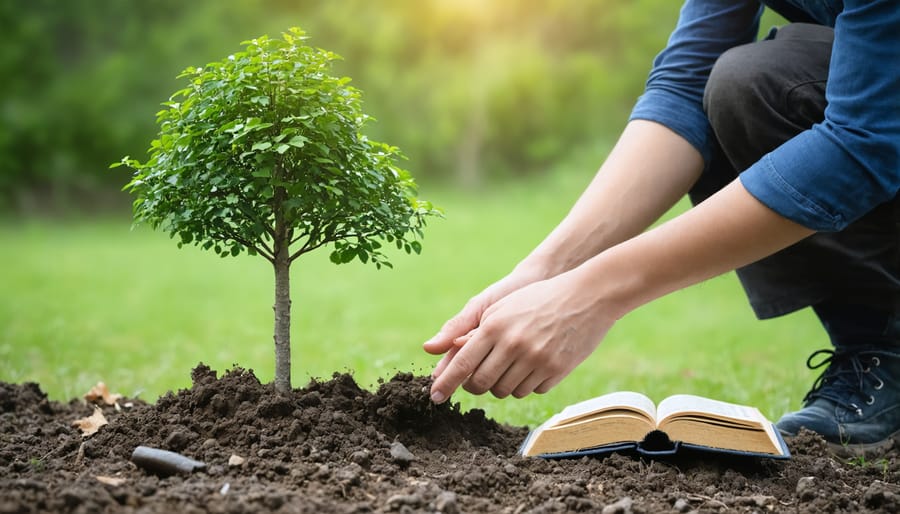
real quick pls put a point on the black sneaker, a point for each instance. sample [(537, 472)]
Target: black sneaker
[(855, 402)]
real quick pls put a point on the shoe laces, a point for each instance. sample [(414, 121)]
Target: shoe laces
[(848, 370)]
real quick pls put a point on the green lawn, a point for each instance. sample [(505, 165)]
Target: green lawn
[(93, 300)]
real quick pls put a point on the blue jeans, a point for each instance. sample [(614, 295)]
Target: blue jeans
[(758, 96)]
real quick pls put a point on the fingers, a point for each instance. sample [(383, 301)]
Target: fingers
[(445, 360), (457, 326), (460, 341), (499, 371), (479, 365), (514, 378), (489, 371), (549, 384), (529, 385), (458, 369)]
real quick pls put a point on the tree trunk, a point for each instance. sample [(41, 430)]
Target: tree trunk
[(282, 324), (281, 246)]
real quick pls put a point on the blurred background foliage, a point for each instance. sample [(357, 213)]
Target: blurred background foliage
[(470, 90), (505, 109)]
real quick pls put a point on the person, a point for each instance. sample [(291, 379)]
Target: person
[(789, 148)]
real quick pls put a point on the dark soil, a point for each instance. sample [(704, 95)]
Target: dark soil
[(334, 447)]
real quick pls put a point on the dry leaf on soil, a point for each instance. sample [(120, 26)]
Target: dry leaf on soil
[(92, 423), (100, 392)]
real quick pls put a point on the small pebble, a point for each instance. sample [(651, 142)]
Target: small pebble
[(401, 454), (682, 505), (361, 457), (622, 506), (446, 503), (805, 488)]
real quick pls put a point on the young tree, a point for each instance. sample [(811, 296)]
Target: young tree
[(263, 153)]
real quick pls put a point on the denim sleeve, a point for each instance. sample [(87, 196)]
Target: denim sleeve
[(830, 175), (674, 92)]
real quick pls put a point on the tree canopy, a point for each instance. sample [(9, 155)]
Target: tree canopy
[(269, 136)]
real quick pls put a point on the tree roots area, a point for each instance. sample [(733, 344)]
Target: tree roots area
[(335, 447)]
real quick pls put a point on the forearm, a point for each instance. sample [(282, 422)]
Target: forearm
[(648, 171), (533, 337), (727, 231)]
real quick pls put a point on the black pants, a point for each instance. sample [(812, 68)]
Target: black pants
[(758, 96)]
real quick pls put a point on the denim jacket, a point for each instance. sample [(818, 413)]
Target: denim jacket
[(825, 177)]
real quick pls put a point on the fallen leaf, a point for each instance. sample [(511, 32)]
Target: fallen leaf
[(92, 423), (113, 481), (101, 393)]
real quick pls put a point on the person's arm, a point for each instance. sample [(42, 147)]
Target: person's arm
[(658, 157), (649, 169), (532, 338), (832, 174)]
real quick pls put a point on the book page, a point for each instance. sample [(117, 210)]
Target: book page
[(618, 400), (687, 404)]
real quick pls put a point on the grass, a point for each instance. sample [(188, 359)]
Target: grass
[(90, 300)]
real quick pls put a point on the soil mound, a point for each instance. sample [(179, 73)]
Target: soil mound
[(335, 447)]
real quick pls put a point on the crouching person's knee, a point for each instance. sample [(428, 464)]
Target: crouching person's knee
[(736, 92)]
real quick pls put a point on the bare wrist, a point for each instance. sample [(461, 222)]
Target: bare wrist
[(535, 268)]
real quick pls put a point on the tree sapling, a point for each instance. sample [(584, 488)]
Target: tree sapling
[(263, 153)]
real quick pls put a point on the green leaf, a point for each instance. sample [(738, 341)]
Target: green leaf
[(298, 141), (348, 255), (210, 175)]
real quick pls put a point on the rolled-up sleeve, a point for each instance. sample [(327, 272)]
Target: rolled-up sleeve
[(829, 176), (674, 91)]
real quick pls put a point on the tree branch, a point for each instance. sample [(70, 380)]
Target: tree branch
[(265, 251), (337, 237), (315, 235), (307, 248)]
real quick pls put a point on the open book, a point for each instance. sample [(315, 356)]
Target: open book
[(630, 421)]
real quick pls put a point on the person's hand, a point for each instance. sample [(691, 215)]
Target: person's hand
[(447, 340), (525, 342)]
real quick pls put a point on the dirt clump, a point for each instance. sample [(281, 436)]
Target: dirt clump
[(333, 446)]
